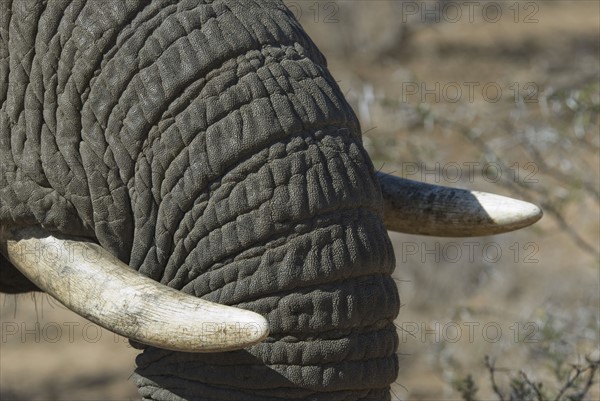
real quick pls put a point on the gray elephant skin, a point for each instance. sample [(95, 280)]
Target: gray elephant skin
[(206, 145)]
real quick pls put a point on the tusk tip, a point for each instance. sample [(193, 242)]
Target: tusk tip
[(235, 329), (508, 213), (255, 328)]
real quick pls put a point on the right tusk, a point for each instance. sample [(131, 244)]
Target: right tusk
[(418, 208), (96, 285)]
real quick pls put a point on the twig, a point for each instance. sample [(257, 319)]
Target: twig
[(569, 383), (489, 364), (592, 367), (534, 386)]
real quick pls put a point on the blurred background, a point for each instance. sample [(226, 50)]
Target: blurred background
[(498, 96)]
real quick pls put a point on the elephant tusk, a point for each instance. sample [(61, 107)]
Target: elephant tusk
[(419, 208), (96, 285)]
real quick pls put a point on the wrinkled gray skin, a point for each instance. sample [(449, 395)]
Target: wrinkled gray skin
[(207, 146)]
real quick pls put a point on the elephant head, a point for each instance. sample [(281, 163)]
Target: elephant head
[(204, 151)]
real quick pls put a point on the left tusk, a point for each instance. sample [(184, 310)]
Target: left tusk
[(94, 284), (417, 208)]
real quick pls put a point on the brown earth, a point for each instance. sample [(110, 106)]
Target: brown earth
[(529, 299)]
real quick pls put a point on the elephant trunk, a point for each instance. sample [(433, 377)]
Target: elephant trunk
[(327, 294), (320, 274), (275, 209)]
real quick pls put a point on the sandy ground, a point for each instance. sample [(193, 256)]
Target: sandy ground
[(529, 299)]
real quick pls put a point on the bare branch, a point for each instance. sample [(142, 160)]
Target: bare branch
[(490, 365)]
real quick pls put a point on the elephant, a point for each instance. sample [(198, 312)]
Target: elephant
[(205, 152)]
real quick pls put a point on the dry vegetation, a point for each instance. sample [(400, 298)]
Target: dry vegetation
[(530, 299)]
